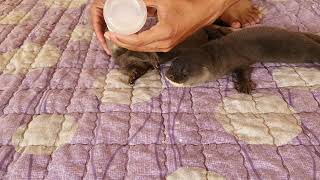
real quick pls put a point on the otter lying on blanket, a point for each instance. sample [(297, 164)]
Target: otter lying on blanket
[(213, 52), (136, 64), (235, 52)]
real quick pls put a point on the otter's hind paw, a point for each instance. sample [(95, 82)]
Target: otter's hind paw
[(245, 87)]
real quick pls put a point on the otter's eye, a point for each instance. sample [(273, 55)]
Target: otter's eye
[(184, 71), (175, 59)]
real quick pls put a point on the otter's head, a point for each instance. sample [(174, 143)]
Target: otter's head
[(190, 68)]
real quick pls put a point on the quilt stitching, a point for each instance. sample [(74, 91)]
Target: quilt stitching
[(53, 66)]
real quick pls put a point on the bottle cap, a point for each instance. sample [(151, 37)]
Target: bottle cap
[(125, 16)]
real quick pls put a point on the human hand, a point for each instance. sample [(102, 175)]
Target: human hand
[(177, 20), (99, 23)]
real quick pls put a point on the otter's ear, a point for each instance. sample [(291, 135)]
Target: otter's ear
[(181, 51), (216, 32)]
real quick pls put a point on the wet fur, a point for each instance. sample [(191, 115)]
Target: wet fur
[(235, 52)]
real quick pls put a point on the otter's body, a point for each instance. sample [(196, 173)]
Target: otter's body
[(262, 44), (136, 64), (235, 52), (213, 52)]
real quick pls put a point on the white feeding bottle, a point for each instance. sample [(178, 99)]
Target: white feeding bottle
[(125, 16)]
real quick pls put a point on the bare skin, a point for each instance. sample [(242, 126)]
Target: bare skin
[(241, 14), (168, 33), (99, 25)]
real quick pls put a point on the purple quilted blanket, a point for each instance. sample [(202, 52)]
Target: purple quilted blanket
[(67, 113)]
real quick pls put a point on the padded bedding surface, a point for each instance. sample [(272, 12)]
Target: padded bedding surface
[(67, 113)]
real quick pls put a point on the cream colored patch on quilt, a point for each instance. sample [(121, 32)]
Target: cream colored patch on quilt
[(13, 17), (310, 75), (194, 173), (27, 57), (97, 92), (48, 57), (26, 19), (297, 77), (117, 96), (5, 58), (287, 77), (259, 119), (65, 3), (82, 32), (263, 11), (44, 134), (57, 3), (118, 91), (99, 82), (22, 59), (78, 3), (117, 80)]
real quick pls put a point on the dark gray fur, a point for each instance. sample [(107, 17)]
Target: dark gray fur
[(235, 52), (136, 64), (214, 51)]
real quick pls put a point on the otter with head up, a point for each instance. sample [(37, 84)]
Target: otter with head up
[(235, 52)]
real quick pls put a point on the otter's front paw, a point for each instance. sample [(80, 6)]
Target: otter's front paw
[(132, 79), (135, 74), (154, 60), (156, 66)]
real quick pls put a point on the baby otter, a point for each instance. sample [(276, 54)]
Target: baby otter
[(235, 52), (135, 64)]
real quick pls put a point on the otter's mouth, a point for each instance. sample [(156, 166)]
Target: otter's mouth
[(177, 84), (173, 80)]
